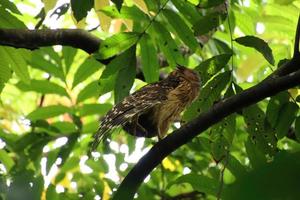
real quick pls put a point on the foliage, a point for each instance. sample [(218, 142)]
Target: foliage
[(53, 97)]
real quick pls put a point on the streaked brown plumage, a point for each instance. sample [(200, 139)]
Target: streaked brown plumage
[(150, 110)]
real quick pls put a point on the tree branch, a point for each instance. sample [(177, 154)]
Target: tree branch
[(186, 133), (33, 39)]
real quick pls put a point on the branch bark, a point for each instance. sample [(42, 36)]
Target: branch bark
[(33, 39)]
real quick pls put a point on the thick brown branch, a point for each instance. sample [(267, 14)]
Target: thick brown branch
[(186, 133), (33, 39)]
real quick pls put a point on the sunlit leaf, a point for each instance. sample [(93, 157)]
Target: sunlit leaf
[(48, 112), (104, 20), (181, 29), (86, 69), (211, 66), (207, 23), (167, 45), (126, 13), (49, 4), (6, 160), (38, 61), (187, 10), (200, 183), (258, 44), (10, 6), (5, 75), (116, 44), (7, 20), (208, 95), (126, 75), (64, 127), (142, 5), (43, 86), (149, 59), (68, 55), (91, 109), (13, 58)]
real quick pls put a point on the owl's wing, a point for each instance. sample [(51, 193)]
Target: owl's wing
[(135, 104)]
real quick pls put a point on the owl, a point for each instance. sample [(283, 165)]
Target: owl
[(150, 111)]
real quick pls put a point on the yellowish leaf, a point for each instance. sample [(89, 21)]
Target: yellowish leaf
[(141, 4), (104, 20), (128, 23), (106, 192), (249, 66), (167, 163), (81, 24), (49, 4)]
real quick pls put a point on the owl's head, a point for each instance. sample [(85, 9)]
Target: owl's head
[(188, 74)]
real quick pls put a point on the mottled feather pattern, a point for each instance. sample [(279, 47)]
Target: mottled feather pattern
[(150, 110)]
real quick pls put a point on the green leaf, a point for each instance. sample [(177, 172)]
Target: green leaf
[(274, 107), (126, 13), (167, 44), (187, 10), (118, 3), (91, 90), (80, 8), (235, 167), (86, 69), (10, 6), (278, 179), (68, 55), (149, 59), (64, 127), (5, 74), (259, 130), (13, 58), (207, 23), (200, 183), (48, 112), (6, 160), (256, 157), (258, 44), (208, 68), (297, 128), (126, 75), (65, 152), (92, 109), (208, 96), (51, 193), (287, 115), (181, 29), (38, 61), (284, 2), (43, 86), (210, 3), (7, 20), (116, 44)]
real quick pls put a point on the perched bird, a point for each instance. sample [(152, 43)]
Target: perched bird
[(150, 110)]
